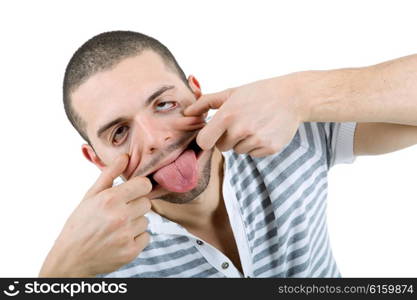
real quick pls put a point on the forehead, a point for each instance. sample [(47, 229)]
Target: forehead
[(114, 92)]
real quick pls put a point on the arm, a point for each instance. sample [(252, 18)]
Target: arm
[(376, 97), (380, 138), (261, 117)]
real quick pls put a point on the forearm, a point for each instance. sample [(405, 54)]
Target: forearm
[(385, 92)]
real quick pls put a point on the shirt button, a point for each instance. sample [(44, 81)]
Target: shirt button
[(225, 265), (200, 242)]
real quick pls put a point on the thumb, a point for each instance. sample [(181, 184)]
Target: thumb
[(206, 102), (108, 174)]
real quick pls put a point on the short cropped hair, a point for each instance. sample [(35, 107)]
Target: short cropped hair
[(103, 52)]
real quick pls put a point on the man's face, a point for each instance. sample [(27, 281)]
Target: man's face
[(136, 108)]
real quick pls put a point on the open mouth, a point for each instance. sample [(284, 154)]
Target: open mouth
[(193, 146)]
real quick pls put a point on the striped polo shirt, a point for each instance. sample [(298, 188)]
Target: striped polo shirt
[(277, 210)]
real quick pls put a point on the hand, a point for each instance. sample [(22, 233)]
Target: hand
[(106, 230), (259, 118)]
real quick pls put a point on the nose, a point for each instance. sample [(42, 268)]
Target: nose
[(151, 135)]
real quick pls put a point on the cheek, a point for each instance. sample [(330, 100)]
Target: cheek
[(110, 157), (187, 103)]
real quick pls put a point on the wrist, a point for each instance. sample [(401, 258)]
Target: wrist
[(306, 93), (56, 271), (57, 265), (297, 93)]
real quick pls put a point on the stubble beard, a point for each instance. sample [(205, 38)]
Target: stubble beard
[(203, 181)]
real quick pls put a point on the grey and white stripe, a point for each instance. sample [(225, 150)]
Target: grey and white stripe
[(282, 201)]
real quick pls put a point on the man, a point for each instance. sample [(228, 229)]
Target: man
[(242, 195)]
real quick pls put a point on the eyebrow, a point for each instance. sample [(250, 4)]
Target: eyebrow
[(148, 101)]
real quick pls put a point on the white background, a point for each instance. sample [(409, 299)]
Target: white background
[(372, 203)]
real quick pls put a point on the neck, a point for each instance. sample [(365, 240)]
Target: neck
[(207, 209)]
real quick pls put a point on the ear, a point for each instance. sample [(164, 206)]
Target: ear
[(195, 86), (91, 156)]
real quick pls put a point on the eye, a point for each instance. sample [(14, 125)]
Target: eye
[(119, 135), (171, 104)]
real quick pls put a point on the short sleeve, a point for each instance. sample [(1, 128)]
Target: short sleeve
[(339, 139)]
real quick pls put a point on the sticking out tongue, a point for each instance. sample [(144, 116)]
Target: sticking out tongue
[(181, 175)]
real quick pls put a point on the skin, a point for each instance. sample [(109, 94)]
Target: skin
[(380, 98), (148, 138), (155, 134)]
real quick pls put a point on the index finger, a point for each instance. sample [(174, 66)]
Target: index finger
[(206, 102), (208, 136), (109, 173), (189, 123)]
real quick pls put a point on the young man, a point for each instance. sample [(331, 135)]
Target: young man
[(243, 194)]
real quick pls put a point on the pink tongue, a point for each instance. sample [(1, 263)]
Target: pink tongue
[(181, 175)]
